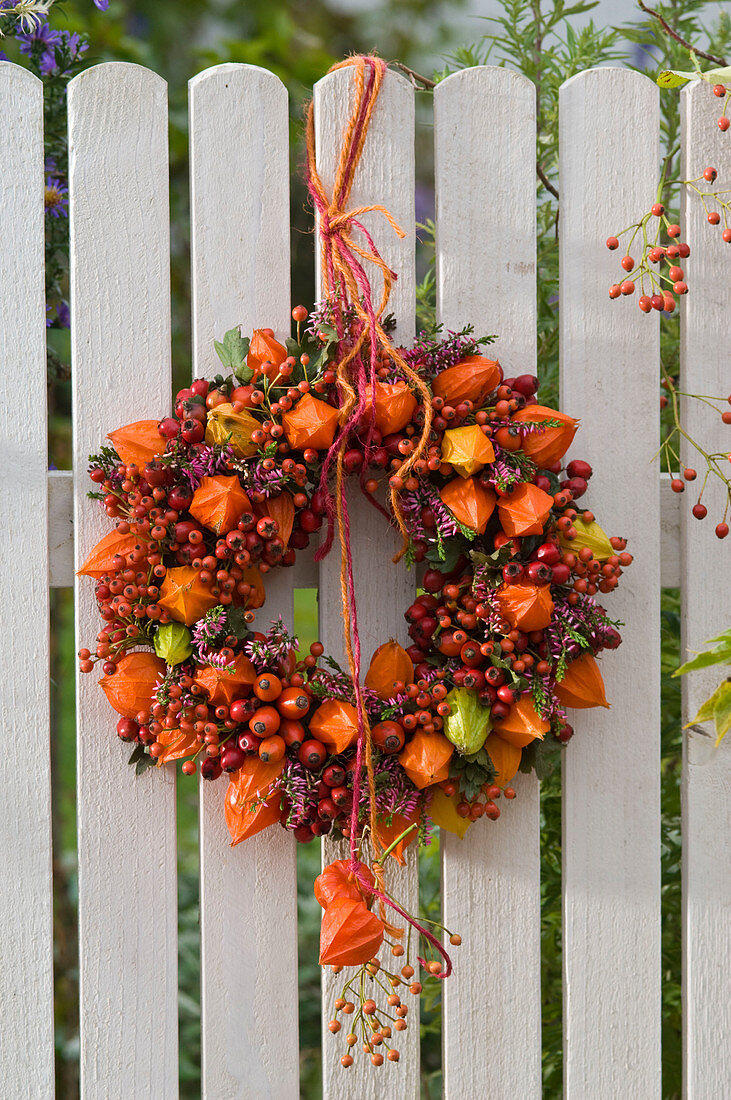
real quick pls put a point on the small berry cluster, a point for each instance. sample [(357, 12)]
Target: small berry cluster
[(722, 92), (665, 286), (714, 463), (373, 1026)]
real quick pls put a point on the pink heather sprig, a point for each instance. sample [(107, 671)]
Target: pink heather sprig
[(207, 462), (276, 647), (395, 793), (209, 628), (256, 479), (432, 354), (161, 690), (585, 618), (300, 788), (486, 594)]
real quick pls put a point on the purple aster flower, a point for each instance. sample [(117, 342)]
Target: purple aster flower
[(56, 197), (39, 35), (49, 319), (63, 314), (102, 5)]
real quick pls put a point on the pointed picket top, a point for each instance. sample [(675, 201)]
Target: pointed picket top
[(26, 948), (484, 140), (240, 275), (609, 166), (120, 334), (706, 611)]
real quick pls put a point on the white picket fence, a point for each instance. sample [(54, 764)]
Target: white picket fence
[(239, 166)]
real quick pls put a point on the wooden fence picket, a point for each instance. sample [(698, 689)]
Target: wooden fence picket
[(383, 590), (486, 276), (26, 945), (120, 300), (609, 135), (240, 275), (706, 783)]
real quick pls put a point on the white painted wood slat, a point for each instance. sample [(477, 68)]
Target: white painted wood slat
[(26, 945), (706, 790), (486, 276), (383, 590), (608, 130), (120, 296), (240, 275)]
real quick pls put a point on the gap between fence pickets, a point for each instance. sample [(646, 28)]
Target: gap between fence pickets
[(61, 536)]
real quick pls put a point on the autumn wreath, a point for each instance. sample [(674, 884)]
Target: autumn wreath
[(504, 634)]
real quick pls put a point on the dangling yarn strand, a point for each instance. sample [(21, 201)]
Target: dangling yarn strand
[(347, 286)]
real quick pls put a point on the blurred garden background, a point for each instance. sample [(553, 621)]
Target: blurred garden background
[(299, 40)]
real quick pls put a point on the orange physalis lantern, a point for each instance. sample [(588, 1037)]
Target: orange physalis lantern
[(467, 449), (338, 881), (224, 425), (395, 405), (350, 934), (266, 354), (582, 686), (224, 684), (545, 446), (219, 502), (525, 510), (184, 595), (469, 502), (389, 664), (311, 423), (138, 443), (392, 827), (526, 606), (443, 812), (281, 509), (505, 758), (255, 776), (130, 688), (426, 758), (246, 808), (101, 558), (177, 745), (472, 379), (335, 723), (523, 724)]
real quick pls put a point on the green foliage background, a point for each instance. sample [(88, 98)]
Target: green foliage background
[(299, 39)]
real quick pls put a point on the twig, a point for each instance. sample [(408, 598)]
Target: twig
[(674, 34), (545, 180), (415, 78)]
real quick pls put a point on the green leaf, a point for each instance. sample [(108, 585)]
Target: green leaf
[(722, 710), (141, 760), (705, 713), (705, 659), (235, 622), (541, 757), (672, 78), (232, 352)]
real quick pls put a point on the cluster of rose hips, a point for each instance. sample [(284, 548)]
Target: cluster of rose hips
[(377, 1025), (662, 298), (722, 92), (189, 423), (699, 509), (512, 394), (653, 253)]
